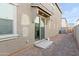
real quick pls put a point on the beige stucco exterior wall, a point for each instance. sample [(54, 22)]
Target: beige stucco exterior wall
[(64, 23), (76, 34), (55, 21), (26, 27), (54, 24)]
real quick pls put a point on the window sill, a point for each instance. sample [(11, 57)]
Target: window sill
[(8, 37)]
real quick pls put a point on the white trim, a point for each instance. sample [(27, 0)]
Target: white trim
[(15, 4), (15, 22), (7, 37), (14, 35)]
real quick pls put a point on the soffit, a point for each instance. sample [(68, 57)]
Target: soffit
[(42, 11)]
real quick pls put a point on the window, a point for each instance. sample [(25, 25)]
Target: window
[(7, 19), (6, 26)]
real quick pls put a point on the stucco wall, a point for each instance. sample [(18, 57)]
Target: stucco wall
[(64, 22), (55, 22), (26, 28), (25, 22), (76, 34)]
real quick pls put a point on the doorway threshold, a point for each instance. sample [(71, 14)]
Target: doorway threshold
[(43, 43)]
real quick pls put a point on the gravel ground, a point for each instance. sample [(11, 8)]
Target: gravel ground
[(64, 45)]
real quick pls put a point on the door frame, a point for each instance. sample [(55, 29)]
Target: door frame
[(44, 25), (39, 28)]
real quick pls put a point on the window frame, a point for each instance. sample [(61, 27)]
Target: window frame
[(14, 35)]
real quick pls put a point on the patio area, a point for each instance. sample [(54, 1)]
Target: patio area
[(64, 45)]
